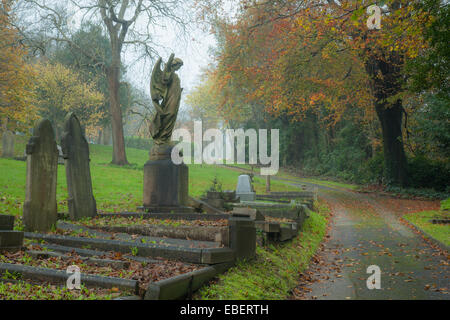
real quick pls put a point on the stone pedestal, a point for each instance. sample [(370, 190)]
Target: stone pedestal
[(242, 236), (166, 185)]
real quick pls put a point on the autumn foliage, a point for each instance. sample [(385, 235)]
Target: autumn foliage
[(16, 76), (293, 58), (60, 90)]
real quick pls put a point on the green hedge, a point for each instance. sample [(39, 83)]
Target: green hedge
[(138, 143)]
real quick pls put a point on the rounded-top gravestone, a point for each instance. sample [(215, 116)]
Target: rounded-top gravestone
[(244, 188), (75, 150)]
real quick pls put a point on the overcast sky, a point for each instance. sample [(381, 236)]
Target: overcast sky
[(191, 47), (193, 51)]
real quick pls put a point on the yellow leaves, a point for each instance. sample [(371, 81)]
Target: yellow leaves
[(60, 90)]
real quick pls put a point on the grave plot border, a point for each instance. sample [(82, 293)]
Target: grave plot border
[(278, 232), (282, 195), (163, 215), (288, 211), (191, 255), (199, 233), (184, 285), (60, 277)]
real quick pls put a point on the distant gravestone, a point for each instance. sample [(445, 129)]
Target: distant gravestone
[(60, 155), (39, 210), (79, 184), (244, 189), (8, 144)]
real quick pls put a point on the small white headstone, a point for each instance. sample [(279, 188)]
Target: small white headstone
[(60, 154), (244, 188)]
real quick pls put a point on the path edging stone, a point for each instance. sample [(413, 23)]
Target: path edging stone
[(184, 285)]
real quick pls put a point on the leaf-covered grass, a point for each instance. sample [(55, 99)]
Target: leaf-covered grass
[(445, 204), (422, 219), (25, 291), (115, 188), (274, 272)]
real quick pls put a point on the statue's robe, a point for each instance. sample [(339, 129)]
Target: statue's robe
[(163, 124)]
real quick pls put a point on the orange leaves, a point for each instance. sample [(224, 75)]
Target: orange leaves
[(15, 76), (315, 97)]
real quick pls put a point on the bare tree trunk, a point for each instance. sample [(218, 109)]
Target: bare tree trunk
[(119, 155), (99, 137), (267, 183)]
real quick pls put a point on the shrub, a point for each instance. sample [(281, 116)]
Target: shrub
[(138, 143), (426, 173)]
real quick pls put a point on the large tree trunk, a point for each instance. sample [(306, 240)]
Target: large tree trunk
[(119, 155), (394, 155), (385, 72)]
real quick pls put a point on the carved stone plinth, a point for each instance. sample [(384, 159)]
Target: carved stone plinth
[(166, 185)]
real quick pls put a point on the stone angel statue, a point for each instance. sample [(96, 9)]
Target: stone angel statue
[(165, 92)]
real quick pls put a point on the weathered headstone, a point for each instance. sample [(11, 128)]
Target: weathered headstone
[(9, 240), (79, 184), (39, 209), (8, 144), (244, 189)]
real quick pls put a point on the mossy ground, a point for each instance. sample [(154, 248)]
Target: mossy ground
[(24, 291), (275, 270)]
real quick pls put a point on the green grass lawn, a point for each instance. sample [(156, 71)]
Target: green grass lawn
[(440, 232), (115, 188), (274, 272)]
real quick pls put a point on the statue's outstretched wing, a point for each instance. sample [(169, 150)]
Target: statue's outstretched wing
[(168, 66), (157, 87)]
